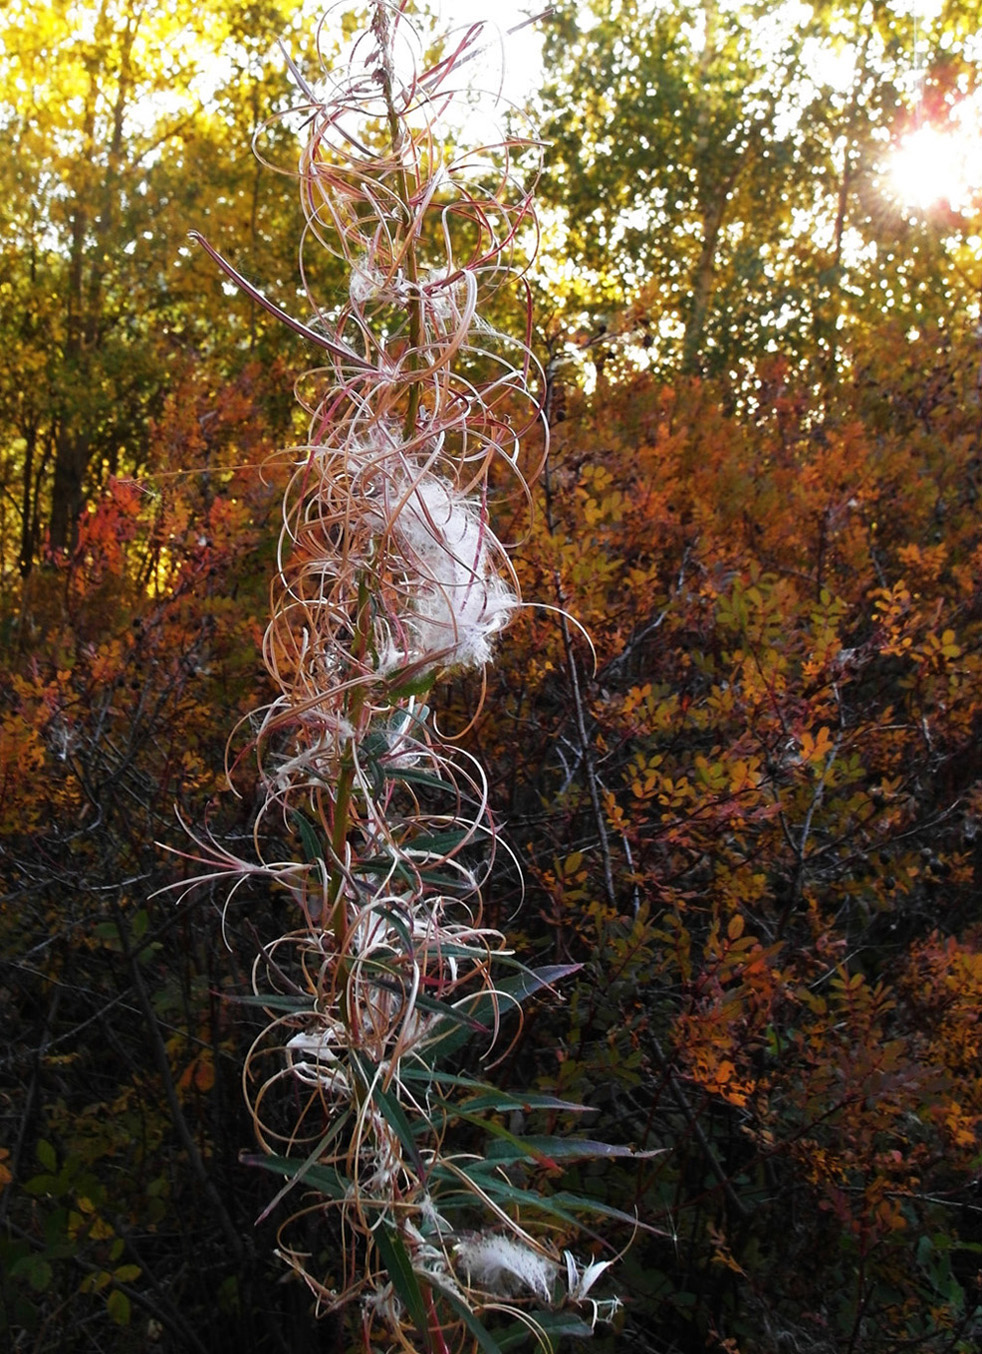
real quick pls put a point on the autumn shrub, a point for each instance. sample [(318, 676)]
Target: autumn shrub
[(754, 822), (750, 812), (122, 1206)]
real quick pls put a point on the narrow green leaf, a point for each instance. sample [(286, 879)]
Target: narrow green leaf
[(481, 1006), (502, 1101), (275, 1002), (392, 979), (488, 1180), (554, 1325), (450, 884), (441, 843), (572, 1149), (582, 1203), (388, 865), (385, 865), (309, 1162), (432, 1076), (403, 1277), (412, 776), (398, 924), (531, 980), (375, 744), (312, 847), (476, 1327), (416, 686), (450, 951), (393, 1113), (488, 1098), (520, 1148), (440, 1008), (427, 845), (323, 1178)]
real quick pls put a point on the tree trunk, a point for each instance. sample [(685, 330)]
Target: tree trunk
[(702, 284), (713, 197), (28, 509), (71, 459)]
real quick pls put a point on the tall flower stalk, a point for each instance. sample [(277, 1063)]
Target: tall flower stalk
[(398, 1167)]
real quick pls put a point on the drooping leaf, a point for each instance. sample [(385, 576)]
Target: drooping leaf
[(484, 1179), (323, 1178), (444, 1039)]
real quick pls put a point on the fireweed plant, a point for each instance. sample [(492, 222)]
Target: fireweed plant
[(410, 1198)]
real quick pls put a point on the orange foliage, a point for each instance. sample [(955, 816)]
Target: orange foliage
[(769, 788), (755, 823)]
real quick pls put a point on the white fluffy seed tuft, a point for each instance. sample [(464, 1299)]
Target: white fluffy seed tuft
[(504, 1266)]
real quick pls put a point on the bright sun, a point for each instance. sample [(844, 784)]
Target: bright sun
[(934, 165)]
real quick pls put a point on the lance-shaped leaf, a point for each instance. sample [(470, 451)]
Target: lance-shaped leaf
[(312, 847), (402, 1276), (483, 1180), (393, 1113), (477, 1328), (323, 1178), (572, 1149), (555, 1326), (446, 1039)]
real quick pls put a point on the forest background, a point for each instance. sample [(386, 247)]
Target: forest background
[(752, 814)]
